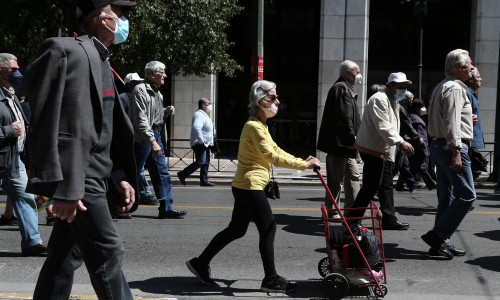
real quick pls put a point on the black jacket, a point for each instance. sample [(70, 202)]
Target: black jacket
[(406, 130), (9, 163), (340, 122)]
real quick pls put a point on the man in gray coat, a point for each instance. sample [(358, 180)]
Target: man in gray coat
[(82, 148)]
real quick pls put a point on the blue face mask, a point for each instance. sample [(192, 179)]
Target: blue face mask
[(121, 29), (399, 95)]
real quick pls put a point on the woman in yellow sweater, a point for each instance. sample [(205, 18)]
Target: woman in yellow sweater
[(256, 153)]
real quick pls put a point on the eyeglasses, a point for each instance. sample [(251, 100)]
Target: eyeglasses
[(273, 98), (161, 73)]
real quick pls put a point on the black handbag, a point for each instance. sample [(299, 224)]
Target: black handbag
[(272, 189)]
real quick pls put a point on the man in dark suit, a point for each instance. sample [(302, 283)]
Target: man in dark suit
[(81, 148), (337, 134)]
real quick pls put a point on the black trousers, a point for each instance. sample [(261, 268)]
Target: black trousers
[(91, 238), (249, 205)]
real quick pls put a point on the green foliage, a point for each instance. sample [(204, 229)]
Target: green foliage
[(26, 23), (187, 35)]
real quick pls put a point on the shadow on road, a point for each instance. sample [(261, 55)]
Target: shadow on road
[(306, 225), (393, 252), (493, 235), (415, 211), (487, 262), (191, 286)]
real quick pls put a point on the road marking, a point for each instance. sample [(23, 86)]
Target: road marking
[(18, 296)]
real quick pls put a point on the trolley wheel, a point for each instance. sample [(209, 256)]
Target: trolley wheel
[(335, 286), (377, 291), (324, 267)]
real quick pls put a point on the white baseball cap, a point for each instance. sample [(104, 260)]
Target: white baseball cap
[(132, 77), (398, 77)]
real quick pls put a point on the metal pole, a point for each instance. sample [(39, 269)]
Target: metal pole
[(260, 28), (420, 62)]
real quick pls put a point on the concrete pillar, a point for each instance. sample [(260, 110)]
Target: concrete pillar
[(186, 91), (484, 51), (343, 35)]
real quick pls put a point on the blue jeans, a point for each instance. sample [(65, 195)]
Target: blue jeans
[(455, 189), (24, 205), (158, 171), (142, 184), (202, 155)]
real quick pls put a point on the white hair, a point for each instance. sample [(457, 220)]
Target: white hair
[(457, 56), (409, 95), (258, 91), (5, 57), (346, 65), (153, 67)]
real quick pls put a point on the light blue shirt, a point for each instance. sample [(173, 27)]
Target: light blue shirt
[(202, 129)]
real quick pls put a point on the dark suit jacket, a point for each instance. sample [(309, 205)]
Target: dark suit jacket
[(340, 122), (64, 88)]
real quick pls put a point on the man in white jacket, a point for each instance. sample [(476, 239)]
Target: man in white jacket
[(202, 137), (377, 139)]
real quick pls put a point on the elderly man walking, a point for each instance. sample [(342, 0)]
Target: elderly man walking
[(377, 140), (147, 115), (450, 125), (13, 178), (337, 134), (82, 152)]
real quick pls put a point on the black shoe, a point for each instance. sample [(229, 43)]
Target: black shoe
[(456, 251), (396, 225), (50, 221), (37, 250), (441, 251), (432, 239), (123, 216), (277, 284), (200, 270), (4, 221), (181, 179), (206, 184), (148, 200), (172, 214)]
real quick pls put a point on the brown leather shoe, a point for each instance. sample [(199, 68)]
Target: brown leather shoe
[(206, 184), (37, 250)]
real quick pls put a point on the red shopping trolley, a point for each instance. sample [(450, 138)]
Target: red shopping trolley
[(355, 265)]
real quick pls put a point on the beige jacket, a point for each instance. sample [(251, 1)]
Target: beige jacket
[(379, 130), (450, 112)]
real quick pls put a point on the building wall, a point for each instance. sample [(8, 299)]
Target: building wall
[(186, 91), (484, 51), (343, 35)]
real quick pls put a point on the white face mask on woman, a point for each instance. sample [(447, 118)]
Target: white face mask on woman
[(270, 110)]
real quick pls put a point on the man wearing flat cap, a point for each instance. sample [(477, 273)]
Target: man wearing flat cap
[(377, 139), (82, 152)]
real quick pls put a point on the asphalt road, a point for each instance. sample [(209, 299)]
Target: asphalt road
[(156, 250)]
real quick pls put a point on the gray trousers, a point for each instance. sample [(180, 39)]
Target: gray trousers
[(91, 238), (339, 171)]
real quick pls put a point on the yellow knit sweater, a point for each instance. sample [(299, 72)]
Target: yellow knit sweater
[(256, 153)]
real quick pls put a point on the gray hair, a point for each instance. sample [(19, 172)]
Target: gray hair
[(258, 91), (153, 67), (4, 58), (346, 65), (409, 95), (457, 56), (474, 73), (202, 101)]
